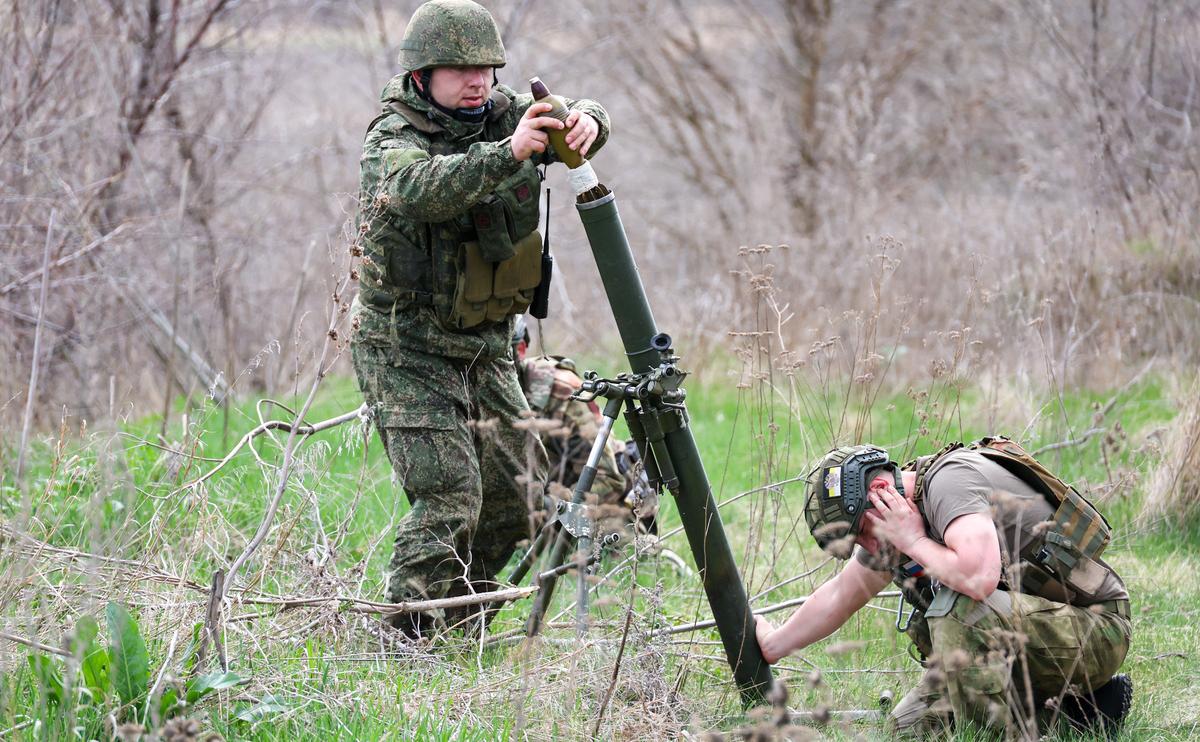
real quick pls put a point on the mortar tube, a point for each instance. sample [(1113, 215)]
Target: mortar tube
[(697, 508)]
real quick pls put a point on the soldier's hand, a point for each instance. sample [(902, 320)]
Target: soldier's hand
[(762, 632), (583, 131), (895, 518), (528, 138)]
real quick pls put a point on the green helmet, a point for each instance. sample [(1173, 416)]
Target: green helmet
[(451, 33), (837, 494)]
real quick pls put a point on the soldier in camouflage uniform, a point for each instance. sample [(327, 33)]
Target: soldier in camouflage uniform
[(449, 215), (549, 382), (964, 534)]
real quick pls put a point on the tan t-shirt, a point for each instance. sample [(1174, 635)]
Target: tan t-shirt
[(966, 482)]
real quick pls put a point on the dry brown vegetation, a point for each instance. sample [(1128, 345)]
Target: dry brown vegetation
[(1031, 167), (835, 200)]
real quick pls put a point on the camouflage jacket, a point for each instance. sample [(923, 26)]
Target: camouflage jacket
[(421, 172), (549, 383)]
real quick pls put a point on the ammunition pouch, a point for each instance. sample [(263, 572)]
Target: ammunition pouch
[(483, 265), (490, 291), (1055, 569), (491, 226)]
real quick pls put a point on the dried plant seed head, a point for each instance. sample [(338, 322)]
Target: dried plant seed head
[(848, 647), (956, 660), (130, 732), (778, 694)]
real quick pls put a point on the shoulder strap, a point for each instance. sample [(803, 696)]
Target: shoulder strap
[(922, 466), (500, 104), (418, 120), (1009, 454)]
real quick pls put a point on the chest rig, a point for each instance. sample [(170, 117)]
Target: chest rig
[(480, 266)]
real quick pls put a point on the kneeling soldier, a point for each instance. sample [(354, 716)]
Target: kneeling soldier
[(617, 492), (1013, 609)]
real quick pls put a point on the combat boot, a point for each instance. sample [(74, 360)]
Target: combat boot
[(1106, 707), (414, 626)]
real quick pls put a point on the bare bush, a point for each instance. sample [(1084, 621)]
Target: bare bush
[(200, 158)]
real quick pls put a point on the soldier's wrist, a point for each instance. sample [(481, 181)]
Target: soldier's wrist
[(507, 158)]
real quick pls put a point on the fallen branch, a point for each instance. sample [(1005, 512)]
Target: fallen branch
[(298, 430), (824, 717), (358, 605), (34, 644), (684, 628), (1069, 443), (1100, 415)]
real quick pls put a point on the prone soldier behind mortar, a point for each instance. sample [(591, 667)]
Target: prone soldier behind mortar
[(1018, 619), (449, 214), (548, 383)]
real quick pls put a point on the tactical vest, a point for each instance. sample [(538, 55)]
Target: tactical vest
[(1060, 562), (481, 266)]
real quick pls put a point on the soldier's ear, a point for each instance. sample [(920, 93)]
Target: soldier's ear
[(416, 76)]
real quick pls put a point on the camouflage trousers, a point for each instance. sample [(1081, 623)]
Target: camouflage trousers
[(997, 662), (470, 476)]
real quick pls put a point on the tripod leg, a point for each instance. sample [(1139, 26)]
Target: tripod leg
[(530, 556), (546, 581)]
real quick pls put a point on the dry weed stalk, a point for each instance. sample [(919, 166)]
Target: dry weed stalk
[(1173, 490)]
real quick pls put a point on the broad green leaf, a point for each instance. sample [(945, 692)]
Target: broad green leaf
[(201, 686), (94, 668), (127, 652), (93, 660), (267, 706), (49, 677)]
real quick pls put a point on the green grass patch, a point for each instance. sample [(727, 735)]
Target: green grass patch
[(329, 673)]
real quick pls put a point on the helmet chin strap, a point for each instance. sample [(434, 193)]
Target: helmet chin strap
[(474, 115)]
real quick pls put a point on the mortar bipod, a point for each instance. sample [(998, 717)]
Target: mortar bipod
[(653, 403), (574, 524)]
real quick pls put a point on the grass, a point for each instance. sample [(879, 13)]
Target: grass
[(328, 674)]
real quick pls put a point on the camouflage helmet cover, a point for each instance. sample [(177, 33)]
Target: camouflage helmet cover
[(449, 33), (837, 494)]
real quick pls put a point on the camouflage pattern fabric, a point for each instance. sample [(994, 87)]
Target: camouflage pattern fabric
[(445, 402), (447, 428), (421, 172), (996, 662), (548, 383), (451, 32)]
